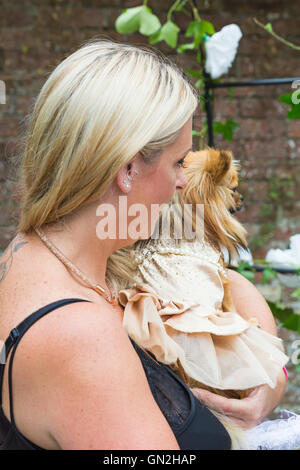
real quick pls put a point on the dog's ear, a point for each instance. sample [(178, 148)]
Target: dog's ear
[(218, 164)]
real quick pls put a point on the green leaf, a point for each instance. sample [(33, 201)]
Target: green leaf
[(168, 33), (199, 83), (294, 113), (226, 129), (248, 275), (296, 293), (184, 47), (218, 127), (129, 20), (292, 323), (149, 23), (293, 100), (280, 312), (287, 317), (268, 273), (156, 37), (261, 261), (137, 19), (246, 270), (269, 28), (192, 29), (287, 98), (194, 73), (195, 133), (198, 29), (244, 264), (208, 28), (231, 91)]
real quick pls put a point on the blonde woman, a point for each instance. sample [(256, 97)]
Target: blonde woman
[(112, 121)]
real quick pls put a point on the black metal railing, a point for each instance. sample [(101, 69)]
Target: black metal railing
[(210, 85), (209, 115)]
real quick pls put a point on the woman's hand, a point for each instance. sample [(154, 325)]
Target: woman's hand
[(249, 411)]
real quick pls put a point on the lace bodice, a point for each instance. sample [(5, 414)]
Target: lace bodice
[(179, 272)]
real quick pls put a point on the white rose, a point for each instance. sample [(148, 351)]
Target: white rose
[(221, 50), (290, 256), (278, 256)]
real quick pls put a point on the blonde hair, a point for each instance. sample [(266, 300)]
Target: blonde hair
[(99, 107)]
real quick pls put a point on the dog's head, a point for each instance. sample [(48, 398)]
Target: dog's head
[(212, 177), (237, 197), (213, 174)]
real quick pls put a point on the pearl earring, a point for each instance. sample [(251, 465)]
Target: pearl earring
[(130, 177), (126, 183)]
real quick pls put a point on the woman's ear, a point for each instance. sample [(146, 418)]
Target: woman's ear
[(122, 179), (127, 174)]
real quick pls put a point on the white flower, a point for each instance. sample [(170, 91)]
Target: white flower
[(288, 257), (278, 256), (221, 49)]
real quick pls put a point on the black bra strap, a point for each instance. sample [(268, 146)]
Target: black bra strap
[(14, 339)]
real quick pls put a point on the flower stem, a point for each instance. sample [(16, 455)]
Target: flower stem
[(195, 10), (173, 7), (279, 38)]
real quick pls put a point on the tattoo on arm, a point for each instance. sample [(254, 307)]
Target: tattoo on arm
[(12, 248)]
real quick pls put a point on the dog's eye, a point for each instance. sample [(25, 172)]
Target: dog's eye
[(180, 163), (234, 189)]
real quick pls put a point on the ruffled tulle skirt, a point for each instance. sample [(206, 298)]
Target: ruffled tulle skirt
[(218, 349)]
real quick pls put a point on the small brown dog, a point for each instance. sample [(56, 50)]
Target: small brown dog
[(213, 181)]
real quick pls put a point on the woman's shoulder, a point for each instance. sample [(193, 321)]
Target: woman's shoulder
[(83, 324), (31, 279), (91, 372)]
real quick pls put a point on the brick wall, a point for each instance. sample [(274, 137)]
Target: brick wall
[(37, 34)]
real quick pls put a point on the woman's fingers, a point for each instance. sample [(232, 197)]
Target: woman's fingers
[(243, 412), (214, 401)]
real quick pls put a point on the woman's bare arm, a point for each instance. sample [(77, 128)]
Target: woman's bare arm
[(98, 394), (261, 402), (249, 302)]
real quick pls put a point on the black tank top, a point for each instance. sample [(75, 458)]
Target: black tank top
[(193, 425)]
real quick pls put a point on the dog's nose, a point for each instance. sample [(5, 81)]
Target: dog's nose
[(241, 197)]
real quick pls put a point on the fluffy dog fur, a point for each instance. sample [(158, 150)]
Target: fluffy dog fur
[(213, 181)]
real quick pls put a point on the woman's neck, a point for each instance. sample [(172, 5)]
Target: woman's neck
[(77, 240)]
